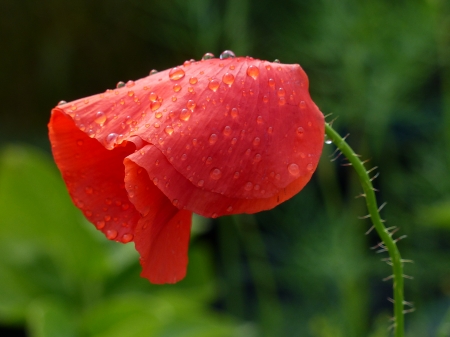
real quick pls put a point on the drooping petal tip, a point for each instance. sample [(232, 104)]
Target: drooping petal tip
[(218, 136)]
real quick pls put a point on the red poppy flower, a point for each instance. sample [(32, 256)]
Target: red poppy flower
[(214, 137)]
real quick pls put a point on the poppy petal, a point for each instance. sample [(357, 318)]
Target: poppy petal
[(162, 234), (94, 178)]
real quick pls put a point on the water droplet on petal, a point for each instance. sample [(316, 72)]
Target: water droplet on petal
[(215, 174), (294, 169), (248, 186), (276, 61), (281, 92), (300, 131), (185, 114), (155, 181), (177, 87), (253, 72), (110, 140), (127, 237), (302, 105), (259, 120), (281, 100), (193, 80), (155, 105), (256, 141), (228, 79), (153, 97), (200, 183), (271, 82), (120, 84), (309, 167), (100, 224), (190, 105), (207, 56), (62, 102), (234, 112), (130, 84), (265, 99), (153, 71), (111, 234), (213, 84), (212, 138), (227, 54), (227, 130), (176, 74), (100, 118), (175, 202), (168, 129)]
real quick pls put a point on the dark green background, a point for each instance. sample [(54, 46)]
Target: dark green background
[(302, 269)]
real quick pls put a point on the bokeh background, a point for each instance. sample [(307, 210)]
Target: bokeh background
[(303, 269)]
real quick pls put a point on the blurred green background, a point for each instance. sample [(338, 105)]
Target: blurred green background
[(302, 269)]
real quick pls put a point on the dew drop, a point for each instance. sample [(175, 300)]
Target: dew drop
[(208, 160), (174, 98), (190, 105), (176, 74), (153, 72), (213, 84), (265, 99), (253, 72), (271, 82), (200, 183), (177, 87), (155, 181), (175, 202), (236, 175), (120, 84), (281, 100), (207, 56), (302, 105), (184, 157), (248, 186), (158, 114), (281, 92), (328, 140), (228, 79), (270, 129), (110, 140), (227, 54), (259, 120), (185, 114), (309, 167), (130, 84), (111, 234), (256, 141), (257, 158), (234, 112), (294, 169), (168, 129), (127, 237), (155, 105), (276, 61), (130, 93), (227, 130), (215, 174), (100, 224), (193, 80), (100, 118), (62, 102), (153, 97), (213, 139), (300, 131)]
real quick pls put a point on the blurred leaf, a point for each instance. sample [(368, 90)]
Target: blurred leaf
[(437, 215)]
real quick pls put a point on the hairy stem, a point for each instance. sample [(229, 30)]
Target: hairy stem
[(388, 242)]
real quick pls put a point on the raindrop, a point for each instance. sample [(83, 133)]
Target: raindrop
[(234, 112), (207, 56), (111, 140), (153, 72), (120, 84), (271, 82), (193, 80), (227, 130), (253, 72), (127, 237), (256, 141), (212, 138), (158, 114), (215, 174), (294, 169), (176, 87), (130, 93), (213, 84), (155, 105), (227, 54), (62, 102), (190, 105), (153, 97), (111, 234), (309, 167), (185, 114), (259, 120), (228, 79), (168, 129), (100, 224), (100, 118), (281, 92), (302, 105), (176, 74), (130, 84), (281, 100), (276, 61)]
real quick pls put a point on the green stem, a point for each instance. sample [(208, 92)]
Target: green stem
[(388, 242)]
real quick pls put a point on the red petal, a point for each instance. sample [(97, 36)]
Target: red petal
[(94, 178), (162, 235)]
